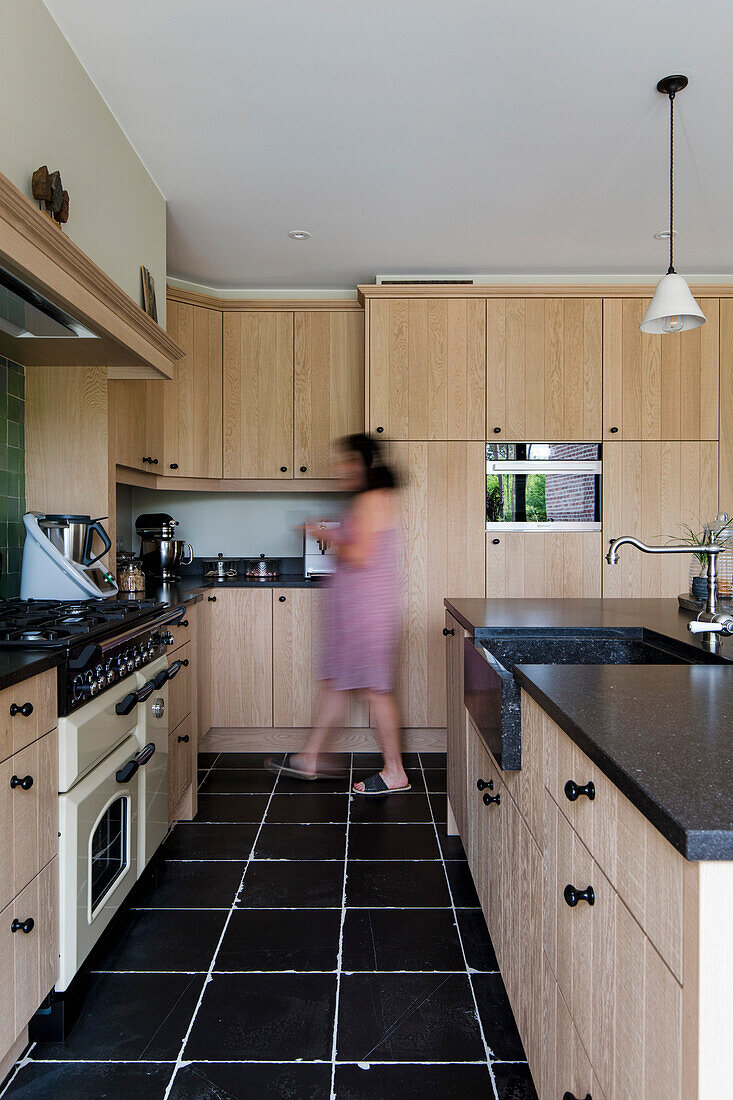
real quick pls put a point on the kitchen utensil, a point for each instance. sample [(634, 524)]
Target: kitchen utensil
[(262, 568)]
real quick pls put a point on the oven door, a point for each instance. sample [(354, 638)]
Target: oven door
[(87, 735), (153, 729), (98, 855)]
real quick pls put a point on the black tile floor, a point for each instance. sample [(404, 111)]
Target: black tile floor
[(295, 942)]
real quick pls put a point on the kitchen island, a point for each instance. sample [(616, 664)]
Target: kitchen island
[(603, 861)]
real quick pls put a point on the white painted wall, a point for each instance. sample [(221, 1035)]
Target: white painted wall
[(234, 524), (53, 114)]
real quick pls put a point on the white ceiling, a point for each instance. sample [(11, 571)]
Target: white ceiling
[(436, 136)]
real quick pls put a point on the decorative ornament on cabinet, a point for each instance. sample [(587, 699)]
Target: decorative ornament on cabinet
[(672, 309), (49, 193)]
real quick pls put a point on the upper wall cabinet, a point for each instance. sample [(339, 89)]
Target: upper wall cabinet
[(191, 407), (329, 386), (544, 368), (427, 368), (659, 387), (258, 384), (293, 384)]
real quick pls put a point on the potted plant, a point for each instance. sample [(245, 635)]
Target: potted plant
[(716, 531)]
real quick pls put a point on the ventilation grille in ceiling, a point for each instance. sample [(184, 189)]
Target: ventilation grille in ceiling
[(425, 280)]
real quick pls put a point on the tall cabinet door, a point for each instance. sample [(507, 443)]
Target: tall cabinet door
[(543, 368), (443, 507), (659, 387), (649, 489), (138, 412), (258, 395), (191, 408), (543, 564), (427, 368), (241, 657), (329, 386)]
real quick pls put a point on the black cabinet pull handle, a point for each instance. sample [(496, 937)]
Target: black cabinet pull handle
[(496, 431), (573, 896), (380, 430), (26, 710), (26, 925), (185, 738), (572, 1096), (303, 469), (482, 784), (446, 631), (283, 469), (211, 599), (281, 599), (174, 466), (489, 798), (25, 784), (613, 431), (573, 790), (495, 542), (183, 622), (155, 462), (185, 662)]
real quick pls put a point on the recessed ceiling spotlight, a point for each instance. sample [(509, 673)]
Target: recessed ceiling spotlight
[(299, 234), (664, 234)]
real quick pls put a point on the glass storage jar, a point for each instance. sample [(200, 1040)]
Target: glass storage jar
[(130, 576)]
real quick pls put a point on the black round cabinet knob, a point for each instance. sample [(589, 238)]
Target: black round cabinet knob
[(26, 710), (283, 469), (482, 784), (572, 1096), (489, 798), (26, 925), (572, 895), (303, 469), (25, 783), (446, 631), (497, 431), (573, 791), (185, 738), (211, 599), (281, 599), (380, 430), (613, 431), (495, 542), (174, 466)]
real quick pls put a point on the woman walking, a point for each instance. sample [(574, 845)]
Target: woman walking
[(363, 617)]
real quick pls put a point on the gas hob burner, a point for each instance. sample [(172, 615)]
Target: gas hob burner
[(42, 635)]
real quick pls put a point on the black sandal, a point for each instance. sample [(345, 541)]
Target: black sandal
[(286, 768), (376, 785)]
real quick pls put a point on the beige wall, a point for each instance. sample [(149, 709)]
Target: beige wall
[(52, 114)]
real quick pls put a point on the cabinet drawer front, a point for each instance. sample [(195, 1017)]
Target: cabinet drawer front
[(35, 810), (565, 1065), (18, 729), (641, 865), (180, 764), (181, 632), (34, 943), (179, 689)]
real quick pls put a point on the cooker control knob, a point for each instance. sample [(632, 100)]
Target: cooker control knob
[(101, 683), (91, 685), (130, 664), (110, 672)]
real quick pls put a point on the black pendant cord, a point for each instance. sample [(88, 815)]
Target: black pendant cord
[(671, 270)]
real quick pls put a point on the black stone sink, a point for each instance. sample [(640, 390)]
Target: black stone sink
[(493, 697)]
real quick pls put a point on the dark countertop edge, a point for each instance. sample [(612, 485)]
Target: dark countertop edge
[(24, 665), (693, 845), (459, 618)]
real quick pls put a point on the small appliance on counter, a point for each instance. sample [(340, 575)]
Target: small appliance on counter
[(262, 568), (319, 556), (58, 563), (160, 552)]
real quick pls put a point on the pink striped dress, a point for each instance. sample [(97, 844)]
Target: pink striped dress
[(363, 618)]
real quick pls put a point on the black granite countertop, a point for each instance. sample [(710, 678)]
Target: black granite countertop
[(662, 733), (18, 665), (190, 589)]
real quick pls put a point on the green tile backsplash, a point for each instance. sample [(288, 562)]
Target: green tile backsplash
[(12, 473)]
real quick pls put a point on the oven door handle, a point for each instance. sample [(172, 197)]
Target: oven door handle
[(126, 772), (130, 701), (160, 678), (175, 669)]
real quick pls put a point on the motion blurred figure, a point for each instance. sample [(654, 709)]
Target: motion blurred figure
[(363, 618)]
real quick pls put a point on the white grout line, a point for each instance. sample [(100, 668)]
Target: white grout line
[(340, 956), (208, 773), (207, 980), (487, 1048)]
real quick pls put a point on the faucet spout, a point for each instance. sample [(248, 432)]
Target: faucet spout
[(710, 549)]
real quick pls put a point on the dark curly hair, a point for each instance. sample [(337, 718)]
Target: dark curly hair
[(377, 473)]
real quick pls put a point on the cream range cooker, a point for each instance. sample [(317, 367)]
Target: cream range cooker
[(113, 750)]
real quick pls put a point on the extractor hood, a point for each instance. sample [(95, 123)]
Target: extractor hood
[(25, 314)]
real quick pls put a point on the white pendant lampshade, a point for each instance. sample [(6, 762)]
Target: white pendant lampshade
[(672, 309)]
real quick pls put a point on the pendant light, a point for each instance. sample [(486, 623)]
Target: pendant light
[(672, 309)]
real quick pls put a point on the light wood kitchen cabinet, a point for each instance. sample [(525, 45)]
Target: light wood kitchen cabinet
[(139, 425), (28, 814), (543, 564), (180, 686), (328, 386), (443, 507), (296, 640), (427, 369), (258, 388), (27, 710), (649, 489), (659, 387), (181, 769), (543, 368), (190, 407), (456, 725), (240, 657)]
